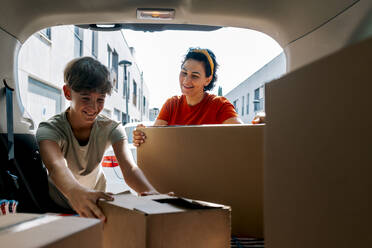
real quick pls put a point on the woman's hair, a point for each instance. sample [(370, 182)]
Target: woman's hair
[(87, 74), (209, 60)]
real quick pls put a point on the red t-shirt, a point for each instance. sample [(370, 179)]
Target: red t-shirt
[(211, 110)]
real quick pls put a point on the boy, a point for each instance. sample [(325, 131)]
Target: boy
[(72, 143)]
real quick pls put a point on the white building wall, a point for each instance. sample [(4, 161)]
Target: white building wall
[(145, 106), (240, 94), (44, 60)]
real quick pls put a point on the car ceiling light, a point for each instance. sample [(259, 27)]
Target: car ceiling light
[(155, 14), (105, 25)]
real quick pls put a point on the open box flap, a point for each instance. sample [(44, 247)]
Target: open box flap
[(159, 204)]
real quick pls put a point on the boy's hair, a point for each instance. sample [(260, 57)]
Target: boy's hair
[(87, 74)]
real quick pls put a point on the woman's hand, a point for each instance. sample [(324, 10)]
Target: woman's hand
[(259, 118), (84, 202), (138, 136), (155, 193)]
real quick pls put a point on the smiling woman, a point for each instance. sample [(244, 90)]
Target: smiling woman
[(195, 106)]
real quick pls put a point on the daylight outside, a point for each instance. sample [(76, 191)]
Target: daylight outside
[(144, 69), (247, 60)]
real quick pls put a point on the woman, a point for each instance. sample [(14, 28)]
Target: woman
[(195, 106)]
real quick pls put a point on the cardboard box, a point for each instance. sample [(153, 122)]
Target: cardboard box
[(162, 221), (318, 153), (216, 163), (33, 230)]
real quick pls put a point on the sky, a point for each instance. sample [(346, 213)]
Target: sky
[(239, 53)]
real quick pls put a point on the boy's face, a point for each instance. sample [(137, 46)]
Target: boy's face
[(85, 105)]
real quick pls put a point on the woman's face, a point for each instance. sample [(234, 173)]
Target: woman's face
[(192, 78)]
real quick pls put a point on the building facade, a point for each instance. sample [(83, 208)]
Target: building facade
[(44, 55), (248, 97)]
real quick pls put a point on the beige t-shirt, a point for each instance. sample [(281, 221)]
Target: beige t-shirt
[(83, 161)]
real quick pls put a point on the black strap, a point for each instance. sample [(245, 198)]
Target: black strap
[(9, 120), (11, 158)]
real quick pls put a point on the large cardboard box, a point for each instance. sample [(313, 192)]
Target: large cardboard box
[(216, 163), (33, 230), (162, 221), (318, 153)]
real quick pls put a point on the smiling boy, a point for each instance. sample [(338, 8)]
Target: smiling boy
[(72, 143)]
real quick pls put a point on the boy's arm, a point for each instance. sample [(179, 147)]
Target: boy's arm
[(82, 200), (133, 175)]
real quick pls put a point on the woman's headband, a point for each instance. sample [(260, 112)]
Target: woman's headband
[(205, 52)]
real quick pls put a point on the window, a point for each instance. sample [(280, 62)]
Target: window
[(242, 105), (124, 119), (247, 104), (144, 105), (235, 103), (139, 100), (117, 114), (134, 93), (47, 33), (114, 69), (78, 42), (113, 66), (95, 44), (257, 94), (258, 99), (109, 52)]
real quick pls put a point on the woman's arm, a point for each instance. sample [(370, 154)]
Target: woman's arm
[(233, 120), (159, 122)]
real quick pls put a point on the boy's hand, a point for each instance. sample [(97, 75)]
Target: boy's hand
[(138, 136), (84, 202)]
